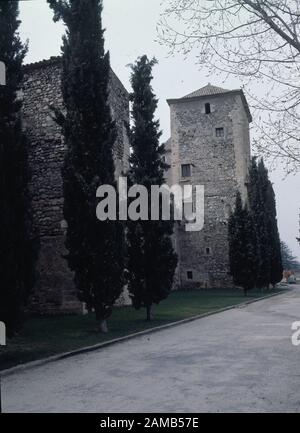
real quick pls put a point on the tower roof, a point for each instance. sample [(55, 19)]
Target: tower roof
[(207, 90), (210, 91)]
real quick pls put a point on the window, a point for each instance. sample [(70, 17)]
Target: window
[(227, 211), (189, 275), (207, 250), (207, 108), (219, 132), (186, 170)]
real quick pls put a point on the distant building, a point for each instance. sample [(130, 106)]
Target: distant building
[(209, 146)]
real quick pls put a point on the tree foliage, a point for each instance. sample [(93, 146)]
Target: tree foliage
[(242, 246), (18, 243), (263, 207), (276, 267), (256, 190), (254, 242), (94, 248), (258, 41), (152, 261)]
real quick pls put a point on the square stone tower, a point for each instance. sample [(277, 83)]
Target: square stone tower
[(209, 146)]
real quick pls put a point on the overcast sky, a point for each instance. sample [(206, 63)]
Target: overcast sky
[(131, 32)]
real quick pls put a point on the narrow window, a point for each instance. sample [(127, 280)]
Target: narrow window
[(227, 211), (207, 108), (219, 132), (186, 170), (207, 250), (189, 275)]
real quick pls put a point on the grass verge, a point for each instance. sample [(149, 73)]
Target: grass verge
[(45, 336)]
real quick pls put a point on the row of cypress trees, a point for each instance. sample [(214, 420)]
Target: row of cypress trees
[(96, 249), (254, 243)]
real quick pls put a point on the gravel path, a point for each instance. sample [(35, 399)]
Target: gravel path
[(239, 360)]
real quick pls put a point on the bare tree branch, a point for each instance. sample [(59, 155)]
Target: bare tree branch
[(256, 40)]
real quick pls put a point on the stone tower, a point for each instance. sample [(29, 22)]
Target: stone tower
[(54, 291), (209, 146)]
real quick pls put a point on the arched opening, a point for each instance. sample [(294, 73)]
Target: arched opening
[(207, 108), (189, 275)]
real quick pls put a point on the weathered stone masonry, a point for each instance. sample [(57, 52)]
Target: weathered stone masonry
[(54, 291), (210, 134)]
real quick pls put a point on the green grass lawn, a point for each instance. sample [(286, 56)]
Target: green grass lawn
[(45, 336)]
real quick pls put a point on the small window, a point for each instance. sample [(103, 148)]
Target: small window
[(189, 275), (219, 132), (207, 108), (186, 170), (207, 250), (227, 211)]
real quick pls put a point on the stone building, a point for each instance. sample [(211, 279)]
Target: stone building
[(209, 146), (54, 291)]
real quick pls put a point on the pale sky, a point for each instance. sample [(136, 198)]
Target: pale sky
[(131, 32)]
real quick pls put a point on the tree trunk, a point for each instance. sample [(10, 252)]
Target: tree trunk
[(102, 326), (149, 312)]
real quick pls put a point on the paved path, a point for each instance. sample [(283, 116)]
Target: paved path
[(239, 360)]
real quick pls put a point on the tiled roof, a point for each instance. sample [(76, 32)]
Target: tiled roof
[(206, 91), (212, 91)]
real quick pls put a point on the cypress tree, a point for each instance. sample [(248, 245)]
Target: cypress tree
[(242, 246), (18, 245), (272, 227), (263, 208), (94, 247), (257, 187), (152, 261)]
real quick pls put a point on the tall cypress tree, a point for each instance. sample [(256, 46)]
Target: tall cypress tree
[(256, 192), (263, 209), (152, 261), (17, 243), (94, 247), (242, 246), (274, 249)]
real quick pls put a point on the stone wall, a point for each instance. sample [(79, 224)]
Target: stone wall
[(54, 291), (218, 163)]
